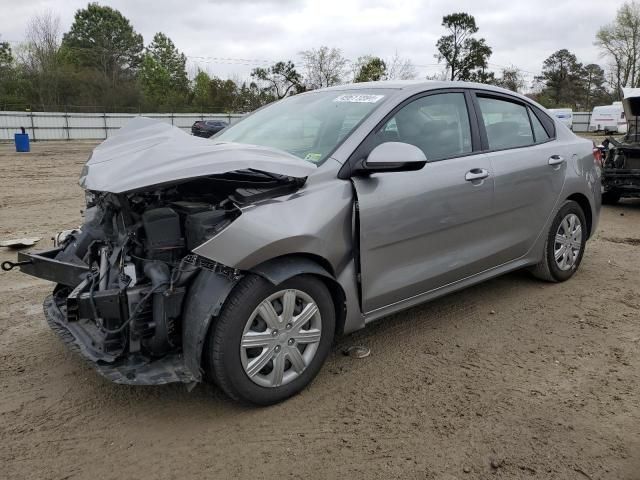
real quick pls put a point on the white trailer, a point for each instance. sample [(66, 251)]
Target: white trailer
[(565, 115), (608, 119)]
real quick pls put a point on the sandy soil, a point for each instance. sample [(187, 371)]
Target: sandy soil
[(511, 379)]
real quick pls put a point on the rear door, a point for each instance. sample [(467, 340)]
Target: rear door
[(422, 230), (529, 167)]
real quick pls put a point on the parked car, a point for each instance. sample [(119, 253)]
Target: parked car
[(207, 128), (564, 114), (241, 259)]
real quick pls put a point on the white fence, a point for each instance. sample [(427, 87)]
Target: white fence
[(581, 121), (89, 126)]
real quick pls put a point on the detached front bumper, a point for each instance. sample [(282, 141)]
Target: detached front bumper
[(66, 312), (132, 370)]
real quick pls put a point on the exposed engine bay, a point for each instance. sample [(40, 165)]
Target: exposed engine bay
[(124, 275)]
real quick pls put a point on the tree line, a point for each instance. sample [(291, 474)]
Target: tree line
[(103, 63)]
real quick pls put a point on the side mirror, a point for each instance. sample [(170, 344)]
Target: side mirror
[(392, 157)]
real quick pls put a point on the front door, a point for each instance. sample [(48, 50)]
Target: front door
[(425, 229)]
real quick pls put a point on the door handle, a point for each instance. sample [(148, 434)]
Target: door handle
[(555, 160), (476, 174)]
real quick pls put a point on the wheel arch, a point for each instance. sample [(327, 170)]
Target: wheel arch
[(280, 269), (585, 205)]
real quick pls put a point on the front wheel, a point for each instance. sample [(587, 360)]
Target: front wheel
[(269, 341), (565, 244)]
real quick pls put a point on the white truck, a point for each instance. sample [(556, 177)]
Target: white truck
[(565, 115)]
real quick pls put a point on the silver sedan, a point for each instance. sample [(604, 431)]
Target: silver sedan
[(242, 256)]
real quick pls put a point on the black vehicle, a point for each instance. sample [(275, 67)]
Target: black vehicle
[(621, 172), (207, 128)]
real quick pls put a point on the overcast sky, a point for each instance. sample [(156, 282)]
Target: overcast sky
[(229, 37)]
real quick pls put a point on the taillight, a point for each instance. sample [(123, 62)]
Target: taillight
[(597, 155)]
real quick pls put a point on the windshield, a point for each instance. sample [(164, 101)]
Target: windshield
[(309, 126)]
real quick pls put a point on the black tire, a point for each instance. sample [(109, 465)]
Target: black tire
[(547, 269), (223, 347), (610, 198)]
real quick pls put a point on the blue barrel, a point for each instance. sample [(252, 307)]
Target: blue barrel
[(22, 142)]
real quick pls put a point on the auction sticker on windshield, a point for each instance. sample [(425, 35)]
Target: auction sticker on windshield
[(358, 98)]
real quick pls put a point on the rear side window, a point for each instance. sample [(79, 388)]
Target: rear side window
[(506, 123), (539, 132)]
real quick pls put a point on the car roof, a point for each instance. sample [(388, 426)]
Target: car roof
[(407, 88), (416, 85)]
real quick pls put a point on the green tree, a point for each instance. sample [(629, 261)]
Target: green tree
[(6, 74), (466, 57), (200, 89), (562, 78), (595, 92), (250, 97), (215, 94), (12, 85), (370, 69), (163, 75), (6, 57), (281, 78), (483, 76), (103, 39)]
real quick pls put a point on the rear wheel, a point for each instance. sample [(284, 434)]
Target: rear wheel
[(270, 341), (564, 246)]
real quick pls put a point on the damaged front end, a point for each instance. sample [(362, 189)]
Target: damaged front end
[(130, 295), (621, 166)]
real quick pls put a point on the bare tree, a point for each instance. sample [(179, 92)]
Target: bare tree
[(512, 79), (620, 43), (399, 68), (324, 67), (40, 56), (441, 76)]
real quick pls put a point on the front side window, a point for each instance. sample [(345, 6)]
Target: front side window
[(506, 123), (309, 126), (437, 124)]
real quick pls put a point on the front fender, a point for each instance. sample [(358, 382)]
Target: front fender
[(316, 219)]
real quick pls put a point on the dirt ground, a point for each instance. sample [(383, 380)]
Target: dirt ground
[(510, 379)]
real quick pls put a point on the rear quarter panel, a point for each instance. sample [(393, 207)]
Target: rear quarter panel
[(583, 174)]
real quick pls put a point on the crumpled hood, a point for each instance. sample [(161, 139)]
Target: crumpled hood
[(148, 152)]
